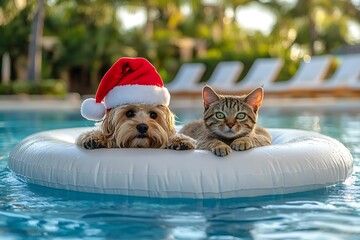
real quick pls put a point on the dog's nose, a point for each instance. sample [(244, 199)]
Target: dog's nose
[(142, 127)]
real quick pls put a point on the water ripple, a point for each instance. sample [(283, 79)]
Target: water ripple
[(29, 211)]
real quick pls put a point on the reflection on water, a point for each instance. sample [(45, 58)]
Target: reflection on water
[(39, 212)]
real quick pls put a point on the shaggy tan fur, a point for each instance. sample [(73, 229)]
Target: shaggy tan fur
[(137, 126)]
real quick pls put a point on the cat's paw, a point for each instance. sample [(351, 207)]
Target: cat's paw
[(241, 144), (222, 150), (182, 142)]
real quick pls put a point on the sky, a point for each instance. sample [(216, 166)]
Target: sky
[(263, 21), (131, 19)]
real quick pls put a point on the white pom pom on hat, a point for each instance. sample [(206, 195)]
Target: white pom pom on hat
[(92, 110), (128, 81)]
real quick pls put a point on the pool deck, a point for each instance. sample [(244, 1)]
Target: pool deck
[(323, 104), (73, 102), (46, 103)]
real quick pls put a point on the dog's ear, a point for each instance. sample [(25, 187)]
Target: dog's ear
[(107, 127), (170, 119)]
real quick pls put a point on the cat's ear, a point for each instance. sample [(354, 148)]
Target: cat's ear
[(254, 99), (209, 96)]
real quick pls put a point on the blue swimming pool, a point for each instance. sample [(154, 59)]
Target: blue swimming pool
[(33, 212)]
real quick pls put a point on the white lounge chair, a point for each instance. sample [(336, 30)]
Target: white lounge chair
[(262, 72), (225, 75), (186, 78), (346, 76), (354, 87), (309, 74), (341, 80)]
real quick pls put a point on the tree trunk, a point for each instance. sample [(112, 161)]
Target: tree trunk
[(94, 73), (312, 28), (34, 58), (149, 25), (313, 35), (6, 68)]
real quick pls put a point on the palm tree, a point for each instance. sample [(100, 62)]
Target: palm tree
[(314, 22), (89, 40), (14, 34)]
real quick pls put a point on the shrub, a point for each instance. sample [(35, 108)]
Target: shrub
[(54, 87), (5, 89), (21, 87)]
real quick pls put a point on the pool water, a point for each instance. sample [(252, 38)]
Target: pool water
[(34, 212)]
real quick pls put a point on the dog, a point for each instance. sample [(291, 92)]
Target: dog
[(137, 126)]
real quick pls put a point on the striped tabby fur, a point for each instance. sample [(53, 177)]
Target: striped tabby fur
[(229, 123)]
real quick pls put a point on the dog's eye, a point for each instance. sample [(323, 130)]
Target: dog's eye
[(130, 114), (153, 115)]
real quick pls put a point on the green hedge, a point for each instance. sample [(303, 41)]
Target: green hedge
[(55, 87)]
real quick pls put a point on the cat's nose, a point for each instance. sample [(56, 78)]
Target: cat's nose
[(142, 127), (230, 124)]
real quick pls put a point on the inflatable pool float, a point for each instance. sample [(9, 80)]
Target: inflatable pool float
[(296, 161)]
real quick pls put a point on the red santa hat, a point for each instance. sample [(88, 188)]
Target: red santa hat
[(128, 81)]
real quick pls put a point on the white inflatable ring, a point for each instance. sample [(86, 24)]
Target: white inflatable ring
[(297, 161)]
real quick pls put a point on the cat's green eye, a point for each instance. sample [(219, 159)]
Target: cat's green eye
[(219, 115), (240, 116)]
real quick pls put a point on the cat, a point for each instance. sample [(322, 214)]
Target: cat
[(229, 122)]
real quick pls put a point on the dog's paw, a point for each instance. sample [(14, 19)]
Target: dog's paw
[(221, 150), (241, 144), (91, 144), (180, 146), (182, 142), (90, 140)]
